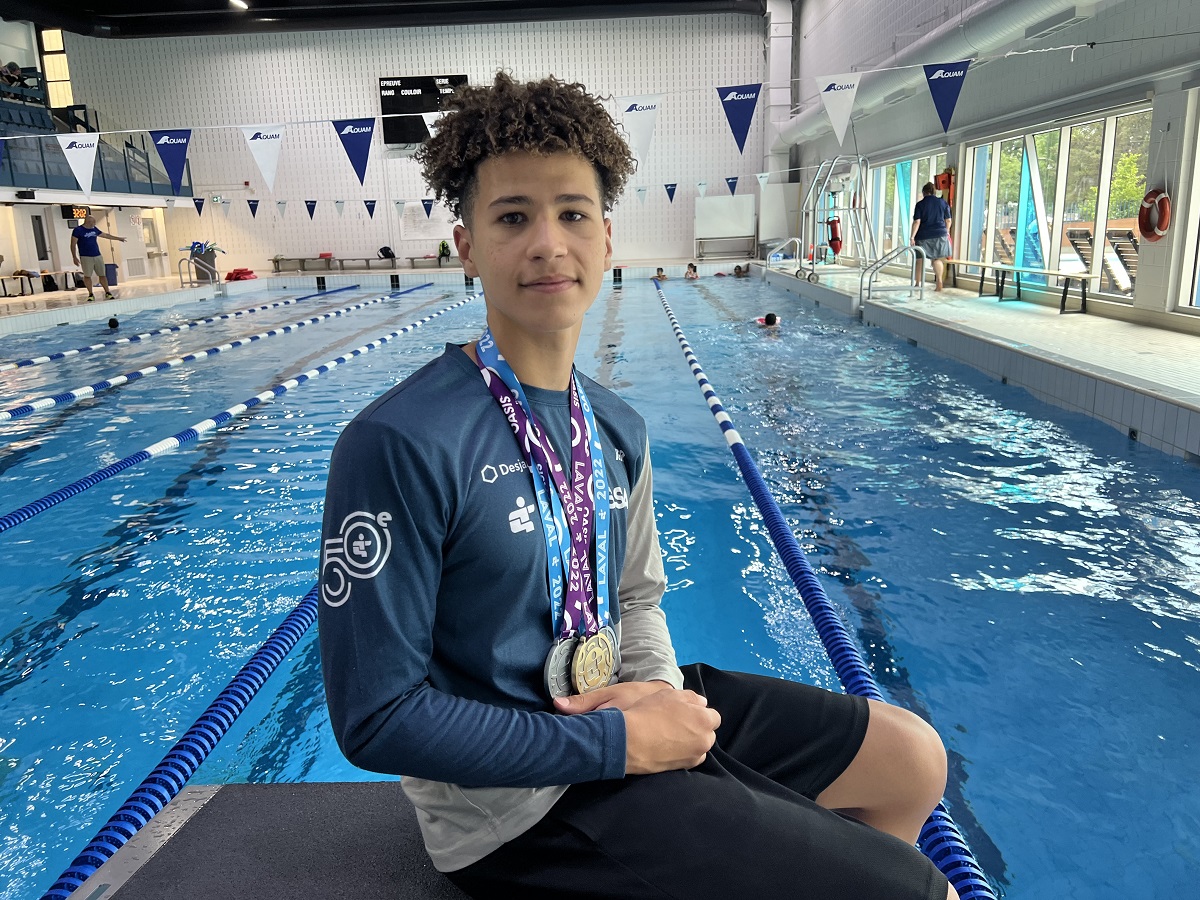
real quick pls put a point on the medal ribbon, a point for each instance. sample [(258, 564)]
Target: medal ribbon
[(573, 509)]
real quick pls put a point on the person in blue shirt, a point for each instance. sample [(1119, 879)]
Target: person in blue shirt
[(931, 232), (490, 622), (85, 252)]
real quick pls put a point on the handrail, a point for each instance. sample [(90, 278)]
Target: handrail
[(192, 262), (869, 273), (778, 248)]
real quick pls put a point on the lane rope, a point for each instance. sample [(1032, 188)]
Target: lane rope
[(940, 838), (175, 769), (65, 354), (27, 512), (68, 397)]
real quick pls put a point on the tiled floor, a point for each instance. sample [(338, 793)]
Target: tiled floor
[(1136, 378)]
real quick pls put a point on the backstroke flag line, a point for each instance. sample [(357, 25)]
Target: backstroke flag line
[(80, 151), (945, 84), (638, 116), (265, 142), (739, 102), (837, 94), (355, 135), (172, 147)]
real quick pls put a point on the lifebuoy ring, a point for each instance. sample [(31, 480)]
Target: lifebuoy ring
[(1154, 200)]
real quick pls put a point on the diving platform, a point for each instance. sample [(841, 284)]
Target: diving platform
[(273, 841)]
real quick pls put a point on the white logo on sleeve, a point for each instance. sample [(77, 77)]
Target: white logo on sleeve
[(519, 520), (359, 551)]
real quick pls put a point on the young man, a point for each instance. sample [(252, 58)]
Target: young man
[(490, 579), (931, 232), (85, 252)]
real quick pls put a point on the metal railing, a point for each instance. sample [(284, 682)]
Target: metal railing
[(778, 259), (866, 281), (195, 268)]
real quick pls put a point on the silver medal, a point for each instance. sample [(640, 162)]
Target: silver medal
[(558, 667)]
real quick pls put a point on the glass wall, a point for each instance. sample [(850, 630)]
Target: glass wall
[(895, 190), (1062, 199)]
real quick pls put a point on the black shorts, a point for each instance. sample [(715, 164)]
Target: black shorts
[(743, 824)]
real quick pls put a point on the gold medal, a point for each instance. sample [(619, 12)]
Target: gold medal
[(595, 661)]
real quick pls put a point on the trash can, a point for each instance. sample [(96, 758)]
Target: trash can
[(110, 272)]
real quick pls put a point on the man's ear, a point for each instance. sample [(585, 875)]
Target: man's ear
[(607, 244), (464, 245)]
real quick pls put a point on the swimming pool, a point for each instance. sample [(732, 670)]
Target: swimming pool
[(1025, 578)]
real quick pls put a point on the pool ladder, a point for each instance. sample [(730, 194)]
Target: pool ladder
[(866, 281), (195, 267)]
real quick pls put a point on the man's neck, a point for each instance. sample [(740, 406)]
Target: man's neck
[(541, 361)]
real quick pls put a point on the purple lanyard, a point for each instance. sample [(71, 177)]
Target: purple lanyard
[(569, 506)]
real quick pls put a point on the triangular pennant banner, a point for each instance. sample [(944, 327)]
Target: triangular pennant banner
[(265, 142), (172, 147), (428, 204), (339, 205), (253, 204), (638, 115), (224, 204), (199, 202), (732, 182), (281, 207), (837, 94), (355, 135), (671, 191), (312, 207), (80, 151), (400, 208), (430, 118), (370, 205), (641, 194), (739, 102), (945, 83), (701, 187), (762, 180)]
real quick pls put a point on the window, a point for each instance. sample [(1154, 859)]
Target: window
[(1064, 199), (895, 190)]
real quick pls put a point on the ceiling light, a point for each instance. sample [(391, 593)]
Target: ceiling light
[(240, 4)]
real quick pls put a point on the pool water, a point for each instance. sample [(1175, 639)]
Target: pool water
[(1025, 578)]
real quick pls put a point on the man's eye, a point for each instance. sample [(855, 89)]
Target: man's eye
[(512, 218), (573, 216)]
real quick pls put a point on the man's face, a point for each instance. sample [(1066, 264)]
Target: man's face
[(89, 222), (538, 241)]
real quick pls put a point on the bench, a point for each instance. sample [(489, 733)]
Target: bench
[(386, 262), (59, 276), (301, 262), (412, 260), (1000, 275)]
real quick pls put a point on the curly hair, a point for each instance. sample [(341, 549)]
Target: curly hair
[(540, 117)]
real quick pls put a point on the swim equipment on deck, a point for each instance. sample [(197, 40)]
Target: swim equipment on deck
[(64, 354), (940, 838), (17, 516), (82, 393), (181, 762)]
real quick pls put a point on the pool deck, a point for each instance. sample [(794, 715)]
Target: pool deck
[(1141, 380)]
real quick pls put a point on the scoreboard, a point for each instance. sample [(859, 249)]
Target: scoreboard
[(401, 101)]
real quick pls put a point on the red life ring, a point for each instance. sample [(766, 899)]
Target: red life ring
[(1156, 200)]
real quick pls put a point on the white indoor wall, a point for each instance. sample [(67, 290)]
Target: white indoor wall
[(18, 43), (312, 77)]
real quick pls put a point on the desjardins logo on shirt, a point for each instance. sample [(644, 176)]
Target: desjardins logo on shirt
[(490, 474)]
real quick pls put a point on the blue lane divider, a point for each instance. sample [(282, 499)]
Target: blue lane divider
[(54, 357), (940, 838), (68, 397), (27, 512), (176, 768)]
